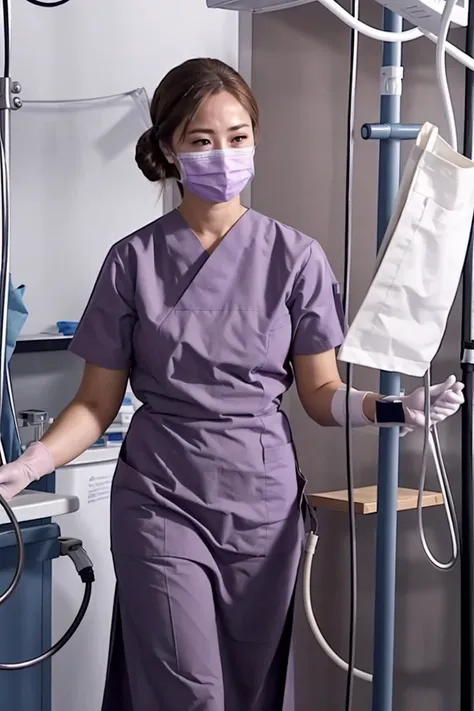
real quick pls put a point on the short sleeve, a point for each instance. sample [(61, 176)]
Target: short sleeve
[(104, 335), (315, 306)]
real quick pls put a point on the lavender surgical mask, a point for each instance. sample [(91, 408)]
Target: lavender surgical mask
[(217, 176)]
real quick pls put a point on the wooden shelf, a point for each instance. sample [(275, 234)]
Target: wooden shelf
[(365, 500)]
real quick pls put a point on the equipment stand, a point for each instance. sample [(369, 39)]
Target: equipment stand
[(467, 473)]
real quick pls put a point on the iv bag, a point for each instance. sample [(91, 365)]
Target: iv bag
[(402, 320)]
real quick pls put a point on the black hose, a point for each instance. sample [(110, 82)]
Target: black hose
[(349, 190), (18, 666), (56, 3), (20, 562), (6, 38)]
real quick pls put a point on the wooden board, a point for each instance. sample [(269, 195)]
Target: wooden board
[(365, 500)]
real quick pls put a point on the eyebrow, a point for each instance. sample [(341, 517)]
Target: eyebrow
[(209, 131)]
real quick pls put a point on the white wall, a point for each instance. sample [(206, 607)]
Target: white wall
[(75, 187), (88, 48)]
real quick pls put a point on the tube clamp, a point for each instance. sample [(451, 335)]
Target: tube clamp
[(391, 81)]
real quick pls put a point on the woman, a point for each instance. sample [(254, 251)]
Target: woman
[(209, 310)]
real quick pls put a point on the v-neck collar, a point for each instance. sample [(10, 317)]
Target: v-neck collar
[(184, 246), (231, 229)]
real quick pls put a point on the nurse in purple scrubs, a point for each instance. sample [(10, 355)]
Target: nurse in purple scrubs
[(211, 311)]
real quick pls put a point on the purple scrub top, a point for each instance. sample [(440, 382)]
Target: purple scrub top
[(207, 497)]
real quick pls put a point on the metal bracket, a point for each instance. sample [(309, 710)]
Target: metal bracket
[(9, 99), (390, 131)]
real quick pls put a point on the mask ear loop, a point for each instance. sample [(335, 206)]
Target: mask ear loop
[(179, 178), (175, 162), (167, 152), (179, 168)]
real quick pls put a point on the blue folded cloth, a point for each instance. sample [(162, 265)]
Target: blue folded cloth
[(16, 317), (67, 328)]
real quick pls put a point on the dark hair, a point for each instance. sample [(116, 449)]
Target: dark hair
[(176, 101)]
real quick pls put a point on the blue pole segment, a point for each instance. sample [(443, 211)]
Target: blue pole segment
[(384, 131), (388, 455)]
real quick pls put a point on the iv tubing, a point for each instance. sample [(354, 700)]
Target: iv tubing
[(431, 439), (383, 36), (441, 73), (310, 548)]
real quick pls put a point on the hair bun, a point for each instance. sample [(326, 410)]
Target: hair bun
[(149, 157)]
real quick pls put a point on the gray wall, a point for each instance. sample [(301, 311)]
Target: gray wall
[(45, 380), (300, 76)]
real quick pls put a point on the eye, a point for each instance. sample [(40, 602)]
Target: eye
[(239, 139), (202, 142)]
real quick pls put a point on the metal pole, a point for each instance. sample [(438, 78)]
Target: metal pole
[(9, 101), (5, 107), (467, 473), (388, 462)]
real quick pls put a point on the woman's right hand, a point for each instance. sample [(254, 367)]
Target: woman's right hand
[(34, 463), (82, 422)]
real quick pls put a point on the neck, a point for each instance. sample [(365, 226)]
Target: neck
[(210, 222)]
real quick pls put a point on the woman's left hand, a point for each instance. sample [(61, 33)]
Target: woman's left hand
[(445, 398)]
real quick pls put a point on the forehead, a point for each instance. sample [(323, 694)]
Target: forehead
[(220, 110)]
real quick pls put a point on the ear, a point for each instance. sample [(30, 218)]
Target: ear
[(167, 153)]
